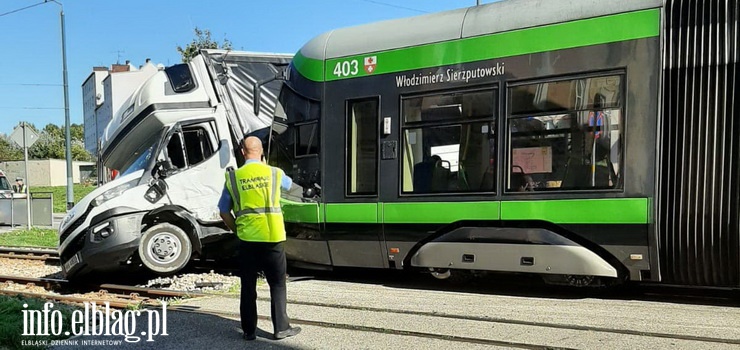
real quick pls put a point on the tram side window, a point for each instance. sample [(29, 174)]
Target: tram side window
[(362, 146), (566, 135), (449, 142)]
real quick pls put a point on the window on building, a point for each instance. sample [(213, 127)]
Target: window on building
[(362, 146), (449, 142), (566, 135)]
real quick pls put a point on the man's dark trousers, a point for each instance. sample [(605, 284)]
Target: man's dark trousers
[(270, 258)]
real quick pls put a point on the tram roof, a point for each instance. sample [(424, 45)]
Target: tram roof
[(497, 17)]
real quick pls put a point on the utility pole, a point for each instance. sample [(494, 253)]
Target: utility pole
[(28, 190), (68, 137), (70, 188)]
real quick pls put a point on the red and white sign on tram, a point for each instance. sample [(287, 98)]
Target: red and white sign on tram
[(370, 63)]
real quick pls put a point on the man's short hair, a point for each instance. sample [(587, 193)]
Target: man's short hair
[(18, 179)]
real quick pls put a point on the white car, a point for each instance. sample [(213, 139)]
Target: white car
[(6, 191)]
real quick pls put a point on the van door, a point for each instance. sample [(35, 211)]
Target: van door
[(195, 172)]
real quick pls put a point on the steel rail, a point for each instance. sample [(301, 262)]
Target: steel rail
[(454, 338), (517, 322), (94, 293)]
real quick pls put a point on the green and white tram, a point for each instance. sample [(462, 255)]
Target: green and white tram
[(582, 140)]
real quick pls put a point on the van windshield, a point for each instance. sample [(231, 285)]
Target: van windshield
[(140, 159), (140, 162), (4, 185)]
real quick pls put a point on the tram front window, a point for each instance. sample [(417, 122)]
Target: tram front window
[(566, 135), (296, 140)]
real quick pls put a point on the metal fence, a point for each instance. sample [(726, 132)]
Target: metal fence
[(13, 210)]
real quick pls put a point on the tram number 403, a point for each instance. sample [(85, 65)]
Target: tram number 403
[(346, 68)]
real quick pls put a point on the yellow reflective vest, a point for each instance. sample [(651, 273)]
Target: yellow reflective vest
[(255, 193)]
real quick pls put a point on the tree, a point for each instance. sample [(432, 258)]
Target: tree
[(202, 40), (9, 150), (51, 143)]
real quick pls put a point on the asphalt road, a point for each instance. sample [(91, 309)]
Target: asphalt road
[(364, 310)]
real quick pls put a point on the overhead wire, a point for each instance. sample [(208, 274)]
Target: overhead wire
[(21, 9), (395, 6)]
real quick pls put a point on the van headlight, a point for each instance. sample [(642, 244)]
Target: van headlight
[(67, 218), (113, 193)]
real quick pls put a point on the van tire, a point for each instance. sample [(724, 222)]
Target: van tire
[(165, 249)]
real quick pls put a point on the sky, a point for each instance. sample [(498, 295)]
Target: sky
[(104, 32)]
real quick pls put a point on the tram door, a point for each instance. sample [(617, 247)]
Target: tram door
[(353, 213)]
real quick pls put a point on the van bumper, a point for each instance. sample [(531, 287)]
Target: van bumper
[(108, 245)]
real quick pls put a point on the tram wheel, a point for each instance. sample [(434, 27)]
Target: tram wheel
[(165, 249), (581, 281)]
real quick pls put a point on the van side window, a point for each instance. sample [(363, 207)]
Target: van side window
[(190, 146)]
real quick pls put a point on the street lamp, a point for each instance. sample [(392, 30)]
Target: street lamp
[(68, 138)]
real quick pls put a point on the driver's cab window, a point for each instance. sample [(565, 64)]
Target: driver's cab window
[(191, 145)]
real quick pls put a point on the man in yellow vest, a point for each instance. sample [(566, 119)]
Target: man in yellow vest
[(252, 192), (19, 187)]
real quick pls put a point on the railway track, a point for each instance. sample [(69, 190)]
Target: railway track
[(33, 253), (441, 318), (487, 331), (118, 296)]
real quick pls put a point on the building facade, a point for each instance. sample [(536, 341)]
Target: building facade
[(92, 98)]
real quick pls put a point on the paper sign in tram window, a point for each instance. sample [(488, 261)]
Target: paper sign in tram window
[(533, 160)]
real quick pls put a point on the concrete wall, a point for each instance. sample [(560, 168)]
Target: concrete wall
[(46, 172)]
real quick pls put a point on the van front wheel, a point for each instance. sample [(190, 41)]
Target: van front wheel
[(165, 249)]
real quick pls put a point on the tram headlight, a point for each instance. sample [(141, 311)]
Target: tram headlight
[(112, 193)]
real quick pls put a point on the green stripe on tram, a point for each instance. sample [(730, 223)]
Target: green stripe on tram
[(306, 213), (439, 212), (356, 213), (579, 211), (580, 33), (561, 211), (310, 68)]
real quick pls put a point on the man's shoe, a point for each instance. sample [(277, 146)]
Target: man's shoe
[(249, 336), (288, 333)]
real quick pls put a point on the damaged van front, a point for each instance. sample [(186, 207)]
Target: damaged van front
[(172, 142)]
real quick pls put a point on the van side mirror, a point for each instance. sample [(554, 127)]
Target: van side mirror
[(156, 191), (161, 169), (256, 97)]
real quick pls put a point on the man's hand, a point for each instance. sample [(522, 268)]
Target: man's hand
[(229, 221)]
